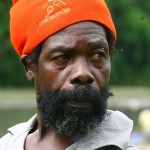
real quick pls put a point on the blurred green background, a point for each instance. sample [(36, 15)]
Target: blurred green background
[(130, 76), (132, 20)]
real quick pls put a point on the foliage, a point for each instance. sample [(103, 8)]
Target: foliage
[(131, 64)]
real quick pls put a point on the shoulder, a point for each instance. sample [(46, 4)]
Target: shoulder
[(4, 141), (119, 126), (16, 133), (118, 119), (124, 125), (9, 137)]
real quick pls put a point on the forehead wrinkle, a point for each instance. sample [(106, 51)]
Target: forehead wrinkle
[(86, 27), (71, 42), (80, 36), (81, 29), (82, 32)]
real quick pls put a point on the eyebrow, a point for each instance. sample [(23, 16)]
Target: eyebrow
[(90, 45), (97, 44), (61, 48)]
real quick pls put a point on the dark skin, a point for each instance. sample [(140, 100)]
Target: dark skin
[(75, 56)]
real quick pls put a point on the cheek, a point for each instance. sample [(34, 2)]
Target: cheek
[(107, 71), (51, 77), (102, 75)]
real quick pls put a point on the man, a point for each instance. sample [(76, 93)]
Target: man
[(66, 47)]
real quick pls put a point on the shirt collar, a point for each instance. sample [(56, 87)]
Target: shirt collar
[(114, 130)]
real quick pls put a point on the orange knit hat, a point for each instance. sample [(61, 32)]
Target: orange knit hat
[(33, 21)]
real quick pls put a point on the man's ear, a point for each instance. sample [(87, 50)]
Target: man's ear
[(29, 69)]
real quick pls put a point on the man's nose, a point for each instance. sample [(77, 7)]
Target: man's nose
[(81, 74)]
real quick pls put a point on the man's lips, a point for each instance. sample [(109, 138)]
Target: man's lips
[(78, 104)]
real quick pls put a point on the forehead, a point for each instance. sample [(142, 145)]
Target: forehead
[(82, 32), (86, 27)]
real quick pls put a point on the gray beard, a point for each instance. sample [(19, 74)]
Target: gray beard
[(72, 121)]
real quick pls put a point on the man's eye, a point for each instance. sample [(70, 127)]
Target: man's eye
[(99, 55), (62, 58)]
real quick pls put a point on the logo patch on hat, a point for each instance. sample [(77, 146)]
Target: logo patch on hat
[(52, 12)]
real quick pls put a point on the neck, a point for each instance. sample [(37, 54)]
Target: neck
[(45, 136)]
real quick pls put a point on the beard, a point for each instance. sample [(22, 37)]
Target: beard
[(67, 121)]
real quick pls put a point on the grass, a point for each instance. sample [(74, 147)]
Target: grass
[(14, 94), (127, 91)]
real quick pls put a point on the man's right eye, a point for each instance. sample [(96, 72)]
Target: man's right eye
[(61, 59)]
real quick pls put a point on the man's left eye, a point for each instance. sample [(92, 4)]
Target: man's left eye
[(99, 55)]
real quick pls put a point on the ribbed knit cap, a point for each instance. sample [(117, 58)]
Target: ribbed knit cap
[(32, 21)]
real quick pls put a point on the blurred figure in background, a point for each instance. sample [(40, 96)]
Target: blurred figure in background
[(144, 122)]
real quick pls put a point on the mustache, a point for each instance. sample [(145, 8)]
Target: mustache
[(85, 93)]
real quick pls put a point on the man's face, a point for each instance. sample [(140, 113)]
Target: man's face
[(72, 78)]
